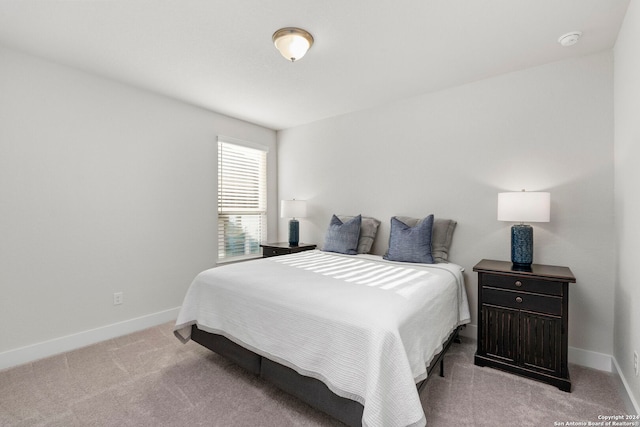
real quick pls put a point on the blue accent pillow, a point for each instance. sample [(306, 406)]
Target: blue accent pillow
[(343, 237), (410, 244)]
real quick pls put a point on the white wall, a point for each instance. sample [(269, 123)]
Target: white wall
[(449, 153), (627, 197), (103, 188)]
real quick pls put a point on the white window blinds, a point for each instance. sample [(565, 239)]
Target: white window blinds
[(242, 200)]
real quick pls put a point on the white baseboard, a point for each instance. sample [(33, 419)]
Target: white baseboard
[(591, 359), (470, 331), (55, 346), (632, 404)]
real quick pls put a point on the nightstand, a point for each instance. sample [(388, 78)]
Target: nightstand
[(523, 320), (283, 248)]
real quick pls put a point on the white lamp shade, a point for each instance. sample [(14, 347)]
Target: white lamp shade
[(293, 209), (524, 206)]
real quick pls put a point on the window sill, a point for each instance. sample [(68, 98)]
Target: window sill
[(238, 259)]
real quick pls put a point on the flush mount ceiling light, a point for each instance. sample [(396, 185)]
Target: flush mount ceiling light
[(292, 42), (570, 39)]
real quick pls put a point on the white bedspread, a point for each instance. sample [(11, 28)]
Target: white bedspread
[(364, 326)]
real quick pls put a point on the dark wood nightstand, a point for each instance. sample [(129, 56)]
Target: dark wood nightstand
[(523, 320), (283, 248)]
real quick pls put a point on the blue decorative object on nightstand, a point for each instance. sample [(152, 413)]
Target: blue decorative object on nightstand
[(522, 245), (294, 232), (292, 209)]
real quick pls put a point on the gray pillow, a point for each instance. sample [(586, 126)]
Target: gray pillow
[(441, 237), (343, 237), (368, 230), (410, 244)]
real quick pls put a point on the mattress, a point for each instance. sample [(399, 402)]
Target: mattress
[(364, 326)]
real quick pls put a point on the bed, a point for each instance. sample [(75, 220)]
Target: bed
[(352, 335)]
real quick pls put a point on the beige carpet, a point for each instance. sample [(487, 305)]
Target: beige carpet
[(150, 379)]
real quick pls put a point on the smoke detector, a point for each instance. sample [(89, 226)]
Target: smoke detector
[(570, 39)]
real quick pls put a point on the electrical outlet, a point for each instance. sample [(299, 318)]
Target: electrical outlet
[(118, 298), (635, 363)]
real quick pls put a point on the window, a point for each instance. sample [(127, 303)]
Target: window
[(242, 200)]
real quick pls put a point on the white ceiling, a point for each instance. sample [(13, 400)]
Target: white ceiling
[(218, 54)]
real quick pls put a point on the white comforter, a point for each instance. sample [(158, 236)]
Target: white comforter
[(364, 326)]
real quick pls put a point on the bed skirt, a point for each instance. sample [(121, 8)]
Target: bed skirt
[(310, 390)]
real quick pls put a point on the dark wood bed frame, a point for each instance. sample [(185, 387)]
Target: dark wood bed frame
[(309, 390)]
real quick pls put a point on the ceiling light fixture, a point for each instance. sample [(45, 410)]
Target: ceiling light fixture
[(570, 39), (292, 42)]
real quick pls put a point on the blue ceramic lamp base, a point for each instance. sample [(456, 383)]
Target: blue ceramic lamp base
[(294, 232), (522, 245)]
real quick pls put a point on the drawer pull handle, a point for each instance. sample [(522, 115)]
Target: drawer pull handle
[(518, 283), (518, 299)]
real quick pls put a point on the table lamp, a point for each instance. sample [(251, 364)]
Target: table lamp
[(293, 209), (523, 206)]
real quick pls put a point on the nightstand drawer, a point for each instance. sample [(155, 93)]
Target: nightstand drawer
[(283, 248), (272, 251), (523, 301), (519, 283)]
